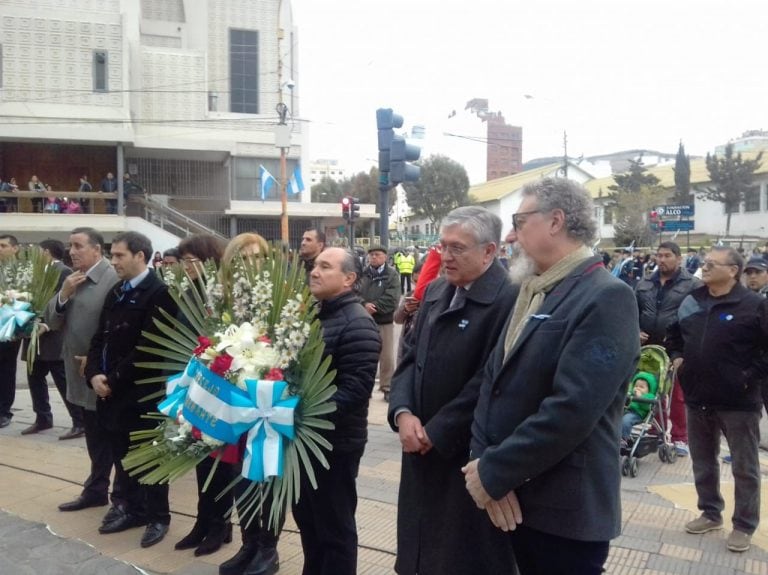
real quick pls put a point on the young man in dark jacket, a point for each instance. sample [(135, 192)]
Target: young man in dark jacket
[(658, 299), (720, 345), (326, 516)]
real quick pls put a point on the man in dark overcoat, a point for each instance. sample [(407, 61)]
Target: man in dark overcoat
[(129, 309), (434, 392), (545, 437)]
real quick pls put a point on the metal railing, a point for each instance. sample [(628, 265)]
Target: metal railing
[(166, 218)]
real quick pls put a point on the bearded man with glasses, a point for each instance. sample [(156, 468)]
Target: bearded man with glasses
[(719, 344)]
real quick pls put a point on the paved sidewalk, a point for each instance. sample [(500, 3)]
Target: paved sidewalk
[(38, 472)]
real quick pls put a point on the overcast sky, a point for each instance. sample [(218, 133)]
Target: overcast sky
[(614, 74)]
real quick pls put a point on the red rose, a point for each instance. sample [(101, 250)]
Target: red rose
[(264, 339), (274, 374), (196, 433), (221, 364), (204, 343)]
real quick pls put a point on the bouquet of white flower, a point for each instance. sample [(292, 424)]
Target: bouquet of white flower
[(250, 385)]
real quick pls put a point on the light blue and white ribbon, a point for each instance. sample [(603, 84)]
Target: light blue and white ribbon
[(176, 388), (225, 412), (13, 315)]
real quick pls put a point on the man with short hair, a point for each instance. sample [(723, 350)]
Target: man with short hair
[(692, 261), (326, 515), (9, 350), (719, 344), (74, 311), (405, 262), (109, 185), (48, 360), (129, 310), (380, 291), (434, 392), (312, 243), (658, 299), (546, 431)]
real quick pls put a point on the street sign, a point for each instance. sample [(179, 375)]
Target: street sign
[(681, 210), (678, 225)]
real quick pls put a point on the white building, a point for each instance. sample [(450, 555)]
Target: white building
[(181, 94), (321, 169)]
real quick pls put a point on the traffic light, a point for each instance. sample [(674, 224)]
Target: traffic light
[(400, 154), (354, 209), (386, 122), (346, 205), (656, 223)]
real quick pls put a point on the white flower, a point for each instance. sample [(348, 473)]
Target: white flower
[(250, 357)]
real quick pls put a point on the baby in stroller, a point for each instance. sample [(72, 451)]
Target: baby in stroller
[(643, 387)]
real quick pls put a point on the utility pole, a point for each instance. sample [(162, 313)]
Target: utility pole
[(283, 141), (565, 154)]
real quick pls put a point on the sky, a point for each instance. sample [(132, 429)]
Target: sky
[(614, 75)]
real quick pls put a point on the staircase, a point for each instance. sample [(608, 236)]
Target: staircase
[(167, 218)]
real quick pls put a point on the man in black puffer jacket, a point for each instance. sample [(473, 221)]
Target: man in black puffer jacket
[(326, 516)]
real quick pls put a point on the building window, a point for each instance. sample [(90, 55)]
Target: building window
[(100, 61), (244, 71), (752, 199), (607, 215)]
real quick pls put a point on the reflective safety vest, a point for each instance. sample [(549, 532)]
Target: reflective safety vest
[(405, 264)]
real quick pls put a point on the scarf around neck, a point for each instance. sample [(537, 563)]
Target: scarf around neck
[(534, 289)]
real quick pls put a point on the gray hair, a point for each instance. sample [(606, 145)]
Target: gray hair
[(734, 258), (572, 199), (485, 226), (351, 264)]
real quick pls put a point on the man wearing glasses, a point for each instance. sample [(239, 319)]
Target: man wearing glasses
[(545, 436), (720, 345)]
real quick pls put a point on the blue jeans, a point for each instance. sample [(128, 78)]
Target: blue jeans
[(630, 419), (742, 432)]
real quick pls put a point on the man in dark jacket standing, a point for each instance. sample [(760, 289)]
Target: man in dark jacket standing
[(380, 291), (439, 529), (326, 516), (545, 436), (129, 309), (720, 345), (658, 299)]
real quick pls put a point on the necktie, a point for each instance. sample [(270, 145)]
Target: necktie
[(459, 297), (126, 287)]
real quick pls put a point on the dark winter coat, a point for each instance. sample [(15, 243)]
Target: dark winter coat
[(655, 315), (113, 350), (382, 289), (724, 344), (49, 344), (439, 529), (352, 340), (547, 421)]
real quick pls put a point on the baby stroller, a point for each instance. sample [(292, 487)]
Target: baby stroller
[(654, 432)]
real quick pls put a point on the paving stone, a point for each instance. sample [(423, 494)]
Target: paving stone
[(671, 565)]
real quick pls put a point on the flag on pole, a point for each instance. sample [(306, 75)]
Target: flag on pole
[(296, 184), (267, 181)]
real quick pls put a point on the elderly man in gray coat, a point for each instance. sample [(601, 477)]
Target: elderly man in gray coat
[(75, 311)]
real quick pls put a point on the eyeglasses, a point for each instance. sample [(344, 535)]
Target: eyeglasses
[(455, 250), (519, 219), (709, 264)]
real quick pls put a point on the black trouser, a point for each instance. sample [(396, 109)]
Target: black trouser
[(148, 502), (38, 389), (9, 352), (99, 448), (326, 517), (405, 283), (209, 511), (539, 553), (255, 527)]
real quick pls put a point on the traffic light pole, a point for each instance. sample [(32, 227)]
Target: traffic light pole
[(384, 216)]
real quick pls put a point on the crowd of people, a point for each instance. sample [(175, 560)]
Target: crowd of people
[(507, 391)]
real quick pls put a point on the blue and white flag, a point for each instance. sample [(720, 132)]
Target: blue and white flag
[(296, 183), (267, 181)]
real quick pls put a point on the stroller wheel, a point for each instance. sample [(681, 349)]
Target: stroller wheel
[(633, 467), (625, 466), (663, 453), (671, 454)]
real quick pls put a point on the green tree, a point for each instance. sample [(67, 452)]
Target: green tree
[(732, 177), (327, 191), (682, 176), (442, 186), (633, 196)]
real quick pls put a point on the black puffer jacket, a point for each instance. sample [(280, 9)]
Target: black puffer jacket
[(352, 340), (724, 344), (655, 315)]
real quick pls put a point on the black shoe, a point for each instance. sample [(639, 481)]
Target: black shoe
[(217, 535), (193, 538), (154, 533), (73, 433), (113, 513), (5, 421), (241, 559), (36, 427), (124, 522), (82, 502), (266, 562)]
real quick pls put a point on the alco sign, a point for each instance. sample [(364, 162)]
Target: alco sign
[(682, 210)]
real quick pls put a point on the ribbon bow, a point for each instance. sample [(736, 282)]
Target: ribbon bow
[(13, 315), (176, 388)]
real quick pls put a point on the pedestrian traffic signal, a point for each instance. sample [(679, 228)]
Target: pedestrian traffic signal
[(346, 204), (400, 154), (354, 208)]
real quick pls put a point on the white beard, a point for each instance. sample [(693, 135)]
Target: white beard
[(521, 266)]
